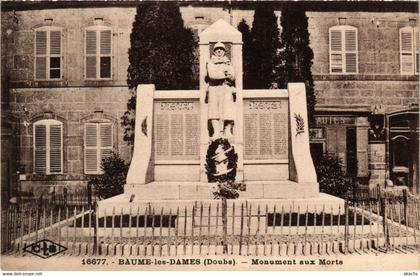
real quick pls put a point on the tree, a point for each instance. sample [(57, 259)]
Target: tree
[(111, 182), (263, 52), (246, 51), (161, 53), (296, 53)]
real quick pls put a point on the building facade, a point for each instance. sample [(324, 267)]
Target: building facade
[(64, 89)]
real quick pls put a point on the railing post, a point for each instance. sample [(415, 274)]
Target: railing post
[(242, 229), (95, 227), (346, 225), (405, 201), (224, 219), (383, 201)]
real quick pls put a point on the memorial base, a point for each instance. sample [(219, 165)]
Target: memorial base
[(201, 191), (122, 204)]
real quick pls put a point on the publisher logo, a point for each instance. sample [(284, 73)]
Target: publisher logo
[(44, 248)]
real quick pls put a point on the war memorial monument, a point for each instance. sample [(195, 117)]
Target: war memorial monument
[(267, 130)]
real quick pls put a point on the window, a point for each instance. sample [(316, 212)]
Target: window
[(48, 147), (409, 50), (317, 143), (98, 49), (343, 50), (98, 145), (48, 53)]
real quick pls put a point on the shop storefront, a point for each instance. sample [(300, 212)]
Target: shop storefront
[(346, 136)]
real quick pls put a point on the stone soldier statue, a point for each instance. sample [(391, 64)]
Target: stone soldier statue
[(221, 93)]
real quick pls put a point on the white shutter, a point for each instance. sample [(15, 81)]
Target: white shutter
[(91, 52), (90, 42), (351, 50), (336, 51), (406, 50), (106, 42), (105, 50), (416, 48), (40, 149), (106, 135), (55, 42), (55, 55), (106, 140), (40, 54), (91, 148), (55, 149)]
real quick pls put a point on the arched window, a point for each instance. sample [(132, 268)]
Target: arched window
[(98, 145), (48, 146), (343, 48), (98, 52), (48, 60), (409, 50)]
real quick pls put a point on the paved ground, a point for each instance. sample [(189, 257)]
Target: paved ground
[(403, 262)]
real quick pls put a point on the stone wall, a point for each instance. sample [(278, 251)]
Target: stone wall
[(73, 106), (379, 80), (73, 22), (378, 44), (392, 95)]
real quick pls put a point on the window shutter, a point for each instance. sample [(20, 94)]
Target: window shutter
[(336, 54), (56, 149), (106, 42), (351, 51), (106, 135), (91, 54), (106, 140), (55, 42), (105, 61), (41, 42), (91, 42), (40, 54), (406, 50), (40, 142), (416, 49), (91, 148)]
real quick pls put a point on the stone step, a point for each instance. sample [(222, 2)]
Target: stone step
[(204, 191)]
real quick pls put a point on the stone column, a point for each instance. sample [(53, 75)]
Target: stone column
[(141, 168), (362, 146), (301, 167), (377, 164)]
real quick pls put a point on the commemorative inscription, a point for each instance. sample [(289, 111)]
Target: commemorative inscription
[(266, 125), (177, 130)]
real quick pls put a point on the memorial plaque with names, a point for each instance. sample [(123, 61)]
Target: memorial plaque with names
[(176, 130), (265, 129)]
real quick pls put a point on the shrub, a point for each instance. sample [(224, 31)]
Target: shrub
[(111, 182), (330, 175)]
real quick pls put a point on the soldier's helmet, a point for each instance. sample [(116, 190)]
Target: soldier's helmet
[(219, 45)]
